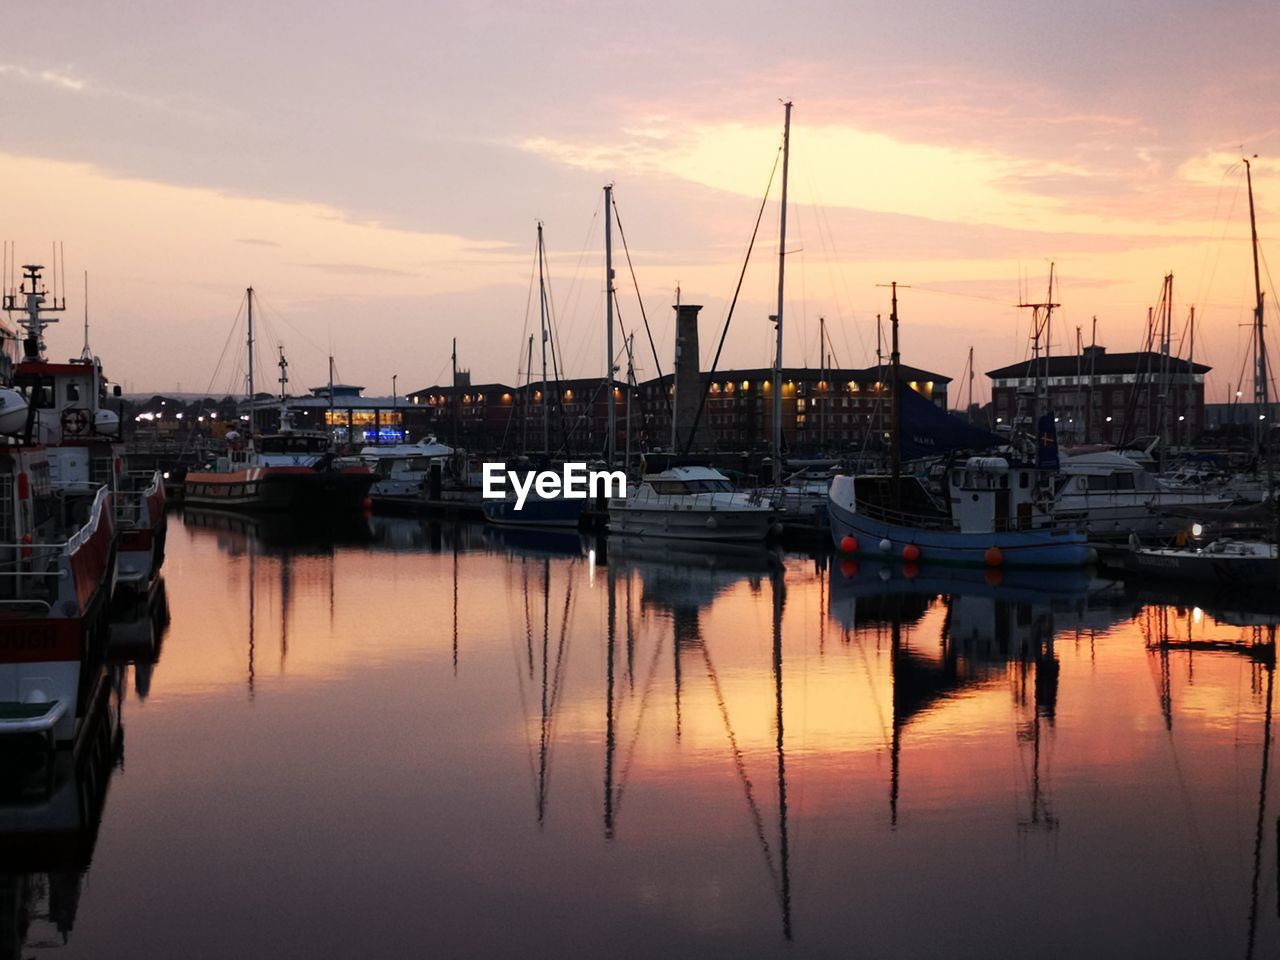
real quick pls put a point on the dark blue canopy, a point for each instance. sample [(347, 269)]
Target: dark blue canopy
[(927, 430)]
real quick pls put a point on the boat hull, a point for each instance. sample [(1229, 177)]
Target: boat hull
[(726, 526), (1054, 547), (1204, 569), (294, 489), (535, 513), (140, 542)]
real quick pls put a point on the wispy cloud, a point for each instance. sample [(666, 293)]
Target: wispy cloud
[(358, 270), (62, 79)]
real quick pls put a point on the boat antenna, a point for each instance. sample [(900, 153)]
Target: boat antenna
[(331, 397), (33, 300), (286, 418), (86, 353), (1041, 331)]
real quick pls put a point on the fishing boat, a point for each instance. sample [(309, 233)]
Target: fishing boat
[(57, 573), (63, 408), (997, 518), (290, 470), (997, 512), (692, 502), (402, 471)]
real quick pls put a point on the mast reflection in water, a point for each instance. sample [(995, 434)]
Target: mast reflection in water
[(400, 737)]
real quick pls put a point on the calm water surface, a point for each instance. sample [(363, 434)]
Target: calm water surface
[(407, 739)]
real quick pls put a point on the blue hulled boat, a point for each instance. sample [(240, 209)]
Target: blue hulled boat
[(536, 511), (977, 537)]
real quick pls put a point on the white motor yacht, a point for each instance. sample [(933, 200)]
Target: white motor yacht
[(402, 469), (692, 503), (1112, 495)]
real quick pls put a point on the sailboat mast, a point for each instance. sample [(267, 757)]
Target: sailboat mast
[(631, 379), (782, 262), (895, 408), (252, 412), (612, 439), (968, 404), (542, 313), (1261, 388), (528, 380), (1189, 388), (822, 377)]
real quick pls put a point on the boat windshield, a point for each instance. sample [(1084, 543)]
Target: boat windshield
[(293, 443)]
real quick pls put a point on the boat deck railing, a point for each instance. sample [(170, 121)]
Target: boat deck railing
[(30, 572), (719, 499), (903, 518)]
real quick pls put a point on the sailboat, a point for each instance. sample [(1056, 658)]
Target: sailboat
[(288, 470), (556, 511), (997, 512), (1228, 561)]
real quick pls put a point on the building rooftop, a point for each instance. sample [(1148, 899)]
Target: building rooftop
[(1096, 360)]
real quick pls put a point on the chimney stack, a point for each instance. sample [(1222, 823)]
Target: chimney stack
[(688, 381)]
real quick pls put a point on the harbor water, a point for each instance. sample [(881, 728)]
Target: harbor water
[(410, 738)]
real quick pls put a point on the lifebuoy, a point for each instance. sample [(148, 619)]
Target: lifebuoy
[(75, 421)]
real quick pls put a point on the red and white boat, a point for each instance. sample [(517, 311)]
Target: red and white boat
[(66, 411), (57, 573), (290, 470)]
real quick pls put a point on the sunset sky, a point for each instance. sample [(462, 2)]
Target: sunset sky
[(377, 173)]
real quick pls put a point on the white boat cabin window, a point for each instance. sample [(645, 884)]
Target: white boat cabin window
[(1114, 481), (680, 488), (422, 464), (1024, 479)]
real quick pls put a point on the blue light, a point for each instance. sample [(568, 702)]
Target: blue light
[(385, 435)]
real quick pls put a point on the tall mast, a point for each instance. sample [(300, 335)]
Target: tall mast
[(457, 397), (1261, 388), (782, 262), (612, 438), (542, 313), (528, 380), (895, 410), (631, 380), (822, 378), (968, 404), (1189, 388), (253, 413)]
